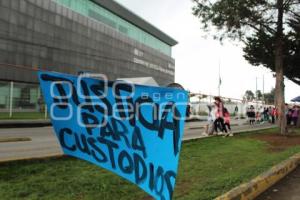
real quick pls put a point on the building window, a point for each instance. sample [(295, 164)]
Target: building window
[(123, 29), (102, 19), (96, 12)]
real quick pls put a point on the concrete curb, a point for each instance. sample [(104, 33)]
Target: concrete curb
[(24, 123), (261, 183), (45, 157)]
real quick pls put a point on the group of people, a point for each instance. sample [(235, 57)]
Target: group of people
[(292, 114), (270, 114), (218, 119), (261, 115)]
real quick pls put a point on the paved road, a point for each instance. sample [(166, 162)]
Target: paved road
[(287, 189), (194, 130), (44, 143)]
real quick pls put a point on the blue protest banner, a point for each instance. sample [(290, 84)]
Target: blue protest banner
[(134, 131)]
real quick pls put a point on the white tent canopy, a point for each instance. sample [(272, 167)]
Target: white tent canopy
[(149, 81)]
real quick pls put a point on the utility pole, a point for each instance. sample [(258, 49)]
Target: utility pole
[(263, 89)]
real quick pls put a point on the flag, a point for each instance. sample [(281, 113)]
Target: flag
[(135, 131)]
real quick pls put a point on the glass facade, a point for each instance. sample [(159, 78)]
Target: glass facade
[(4, 95), (24, 96), (95, 11)]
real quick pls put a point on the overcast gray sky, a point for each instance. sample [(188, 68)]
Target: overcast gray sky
[(197, 57)]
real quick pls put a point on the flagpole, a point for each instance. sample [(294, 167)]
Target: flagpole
[(256, 93), (219, 88)]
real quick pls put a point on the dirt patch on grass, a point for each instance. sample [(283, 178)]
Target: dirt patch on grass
[(279, 142)]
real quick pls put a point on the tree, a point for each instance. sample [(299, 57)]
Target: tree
[(249, 95), (259, 51), (242, 19), (259, 95), (270, 97), (295, 60)]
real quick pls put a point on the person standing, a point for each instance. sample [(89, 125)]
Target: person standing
[(236, 112), (209, 127), (40, 103), (267, 115), (258, 117), (295, 115), (287, 114), (262, 114), (273, 114), (227, 122), (270, 114), (219, 122), (251, 115), (289, 117), (188, 111), (248, 114)]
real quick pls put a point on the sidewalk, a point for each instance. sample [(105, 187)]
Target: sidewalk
[(194, 130), (286, 189), (43, 144)]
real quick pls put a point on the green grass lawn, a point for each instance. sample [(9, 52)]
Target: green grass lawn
[(22, 115), (208, 168)]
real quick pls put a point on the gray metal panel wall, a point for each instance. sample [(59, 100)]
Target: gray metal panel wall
[(35, 33)]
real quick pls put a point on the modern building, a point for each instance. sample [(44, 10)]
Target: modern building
[(99, 36)]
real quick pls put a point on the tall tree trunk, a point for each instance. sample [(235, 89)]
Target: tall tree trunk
[(279, 88)]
